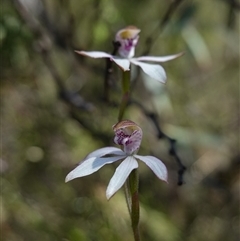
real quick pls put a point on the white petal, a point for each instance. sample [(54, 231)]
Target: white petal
[(155, 71), (158, 58), (120, 175), (105, 151), (90, 166), (124, 64), (94, 54), (156, 165)]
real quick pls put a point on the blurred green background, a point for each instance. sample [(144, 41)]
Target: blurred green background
[(44, 135)]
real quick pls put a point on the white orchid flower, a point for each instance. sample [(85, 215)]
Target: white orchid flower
[(129, 135), (128, 39)]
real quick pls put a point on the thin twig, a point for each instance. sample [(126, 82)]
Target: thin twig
[(153, 116), (234, 3), (161, 135), (233, 7), (44, 47)]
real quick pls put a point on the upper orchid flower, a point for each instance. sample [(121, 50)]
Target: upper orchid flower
[(128, 39), (128, 135)]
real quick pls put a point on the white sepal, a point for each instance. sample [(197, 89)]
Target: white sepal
[(156, 165), (120, 175)]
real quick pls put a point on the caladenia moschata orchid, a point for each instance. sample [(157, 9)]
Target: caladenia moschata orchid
[(128, 39), (129, 136)]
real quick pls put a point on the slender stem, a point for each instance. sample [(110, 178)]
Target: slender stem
[(128, 197), (133, 184), (123, 105), (122, 108), (126, 81), (126, 94)]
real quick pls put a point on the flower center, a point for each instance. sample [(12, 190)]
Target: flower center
[(122, 138), (128, 38), (128, 135), (128, 44)]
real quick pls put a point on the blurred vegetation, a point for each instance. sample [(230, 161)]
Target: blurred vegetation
[(53, 113)]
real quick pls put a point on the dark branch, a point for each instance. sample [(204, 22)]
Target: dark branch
[(233, 3), (44, 47), (73, 100), (231, 18), (161, 135), (70, 97)]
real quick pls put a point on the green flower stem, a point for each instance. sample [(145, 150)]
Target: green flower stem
[(123, 105), (128, 197), (133, 184), (126, 81), (122, 108), (126, 94)]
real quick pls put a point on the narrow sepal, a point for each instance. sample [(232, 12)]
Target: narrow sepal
[(90, 166), (120, 175), (155, 71), (124, 64), (156, 165), (105, 151), (158, 58)]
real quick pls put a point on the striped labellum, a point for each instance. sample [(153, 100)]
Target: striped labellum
[(129, 135), (128, 39)]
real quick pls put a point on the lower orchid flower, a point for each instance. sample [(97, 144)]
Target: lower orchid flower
[(128, 38), (129, 136)]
